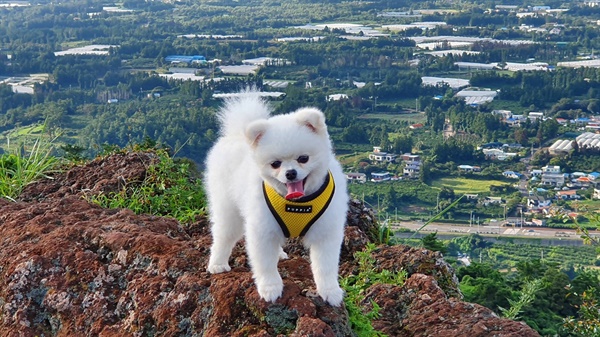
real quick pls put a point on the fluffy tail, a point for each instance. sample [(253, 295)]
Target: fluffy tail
[(240, 110)]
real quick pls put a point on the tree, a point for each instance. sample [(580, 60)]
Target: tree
[(431, 242), (355, 134)]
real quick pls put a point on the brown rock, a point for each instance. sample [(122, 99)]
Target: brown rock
[(70, 268), (421, 308)]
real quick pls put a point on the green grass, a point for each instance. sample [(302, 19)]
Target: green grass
[(169, 189), (411, 118), (464, 185), (20, 167), (587, 205), (27, 130)]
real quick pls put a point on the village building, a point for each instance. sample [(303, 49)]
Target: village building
[(490, 201), (537, 202), (412, 169), (380, 156), (552, 176), (512, 174), (356, 177), (596, 194), (498, 154), (567, 195), (380, 176)]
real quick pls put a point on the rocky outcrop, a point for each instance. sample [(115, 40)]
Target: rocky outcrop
[(71, 268)]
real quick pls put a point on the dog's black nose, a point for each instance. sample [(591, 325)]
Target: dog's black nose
[(291, 174)]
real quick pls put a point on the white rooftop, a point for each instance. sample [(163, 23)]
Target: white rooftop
[(454, 83), (274, 94), (239, 70), (94, 49)]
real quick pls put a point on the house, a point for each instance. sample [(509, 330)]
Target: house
[(498, 154), (512, 174), (336, 97), (596, 194), (567, 195), (534, 116), (535, 172), (380, 176), (492, 201), (380, 156), (577, 175), (416, 126), (471, 196), (505, 114), (356, 177), (410, 157), (591, 3), (536, 202), (493, 145), (583, 181), (594, 176), (514, 146), (412, 169), (469, 168), (512, 122), (562, 121), (552, 176)]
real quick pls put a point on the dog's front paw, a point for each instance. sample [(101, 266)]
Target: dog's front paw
[(270, 292), (282, 254), (333, 296), (218, 268)]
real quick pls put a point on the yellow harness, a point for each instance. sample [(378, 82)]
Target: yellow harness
[(296, 216)]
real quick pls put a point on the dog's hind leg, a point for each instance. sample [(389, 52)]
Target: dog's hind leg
[(226, 230)]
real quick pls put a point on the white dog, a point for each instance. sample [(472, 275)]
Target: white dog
[(272, 177)]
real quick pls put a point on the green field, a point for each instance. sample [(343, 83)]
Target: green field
[(464, 185), (411, 117)]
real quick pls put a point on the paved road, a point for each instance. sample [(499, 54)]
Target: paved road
[(533, 232)]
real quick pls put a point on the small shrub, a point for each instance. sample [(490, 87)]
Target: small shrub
[(355, 287)]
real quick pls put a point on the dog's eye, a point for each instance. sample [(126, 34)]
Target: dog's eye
[(276, 164), (303, 159)]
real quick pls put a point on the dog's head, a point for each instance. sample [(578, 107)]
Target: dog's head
[(293, 151)]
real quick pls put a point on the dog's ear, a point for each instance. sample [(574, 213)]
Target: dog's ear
[(255, 131), (313, 119)]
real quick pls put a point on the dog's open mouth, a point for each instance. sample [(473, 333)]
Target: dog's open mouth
[(295, 190)]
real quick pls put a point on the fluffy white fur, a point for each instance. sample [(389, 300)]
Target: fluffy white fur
[(251, 140)]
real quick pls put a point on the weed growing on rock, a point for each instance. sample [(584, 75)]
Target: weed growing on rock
[(20, 168), (356, 286), (167, 190)]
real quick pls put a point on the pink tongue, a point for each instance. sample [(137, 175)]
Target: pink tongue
[(295, 190)]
